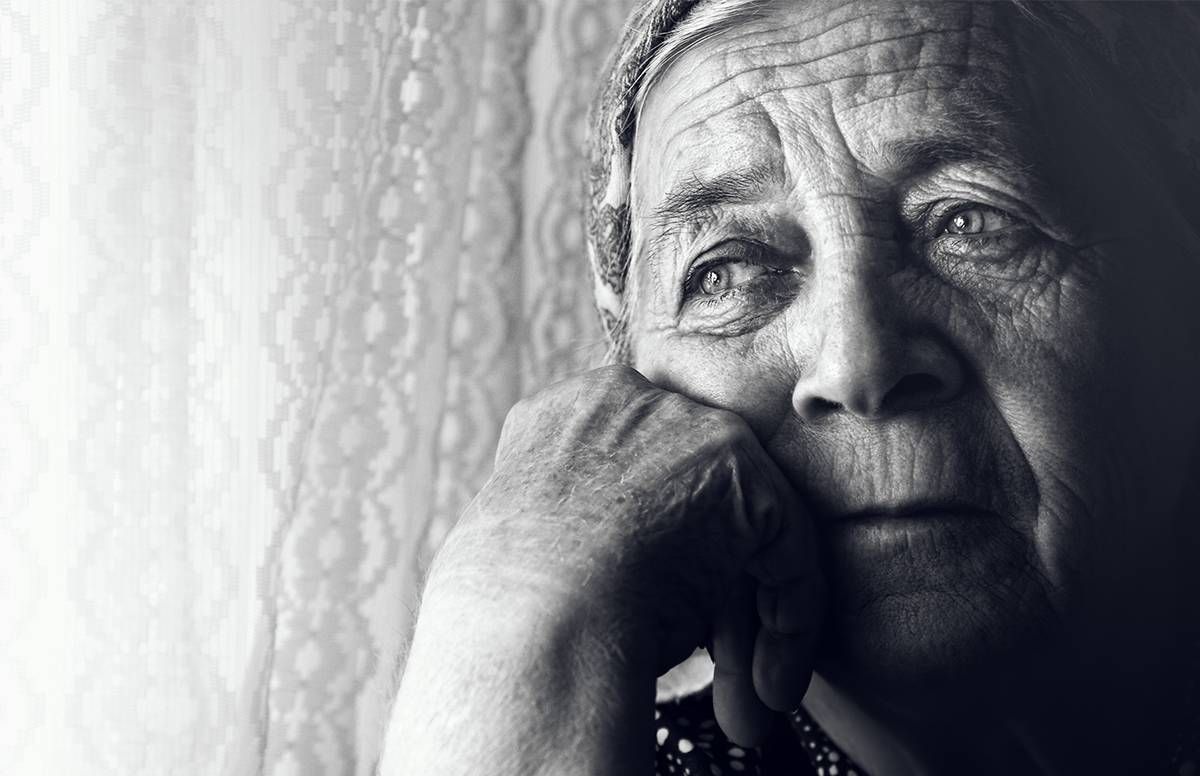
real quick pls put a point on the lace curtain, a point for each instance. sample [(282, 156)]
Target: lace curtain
[(272, 273)]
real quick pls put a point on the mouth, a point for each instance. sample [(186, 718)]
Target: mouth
[(915, 511), (879, 534)]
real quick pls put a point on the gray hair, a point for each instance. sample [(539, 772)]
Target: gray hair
[(706, 21)]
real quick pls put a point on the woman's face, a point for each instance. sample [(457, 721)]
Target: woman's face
[(849, 226)]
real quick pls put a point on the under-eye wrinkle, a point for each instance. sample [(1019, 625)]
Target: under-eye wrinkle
[(742, 309)]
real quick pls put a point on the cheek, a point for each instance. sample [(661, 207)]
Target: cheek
[(751, 375), (1049, 360)]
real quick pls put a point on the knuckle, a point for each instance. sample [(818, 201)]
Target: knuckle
[(519, 409), (517, 421), (589, 386), (515, 417), (607, 387), (615, 377)]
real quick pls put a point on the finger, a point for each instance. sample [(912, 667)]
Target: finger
[(791, 597), (783, 666), (792, 608), (785, 650), (790, 553), (738, 709)]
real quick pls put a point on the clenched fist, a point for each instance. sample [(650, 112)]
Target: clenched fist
[(623, 526)]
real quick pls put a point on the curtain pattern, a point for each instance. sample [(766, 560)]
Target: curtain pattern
[(272, 274)]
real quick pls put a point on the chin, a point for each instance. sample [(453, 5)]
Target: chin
[(948, 611), (925, 646)]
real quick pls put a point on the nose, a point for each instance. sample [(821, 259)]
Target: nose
[(866, 359)]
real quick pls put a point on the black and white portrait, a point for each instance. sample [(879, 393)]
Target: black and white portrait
[(652, 387)]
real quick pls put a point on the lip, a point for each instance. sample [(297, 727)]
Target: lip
[(888, 552), (916, 511), (877, 536)]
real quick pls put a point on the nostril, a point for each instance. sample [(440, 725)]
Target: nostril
[(819, 407)]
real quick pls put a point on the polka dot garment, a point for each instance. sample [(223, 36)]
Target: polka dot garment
[(690, 743)]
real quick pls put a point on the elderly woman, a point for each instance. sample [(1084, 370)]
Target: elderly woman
[(901, 425)]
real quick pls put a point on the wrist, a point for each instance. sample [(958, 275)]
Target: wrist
[(502, 675)]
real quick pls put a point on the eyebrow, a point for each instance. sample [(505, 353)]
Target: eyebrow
[(694, 200), (1021, 166), (913, 157), (975, 129)]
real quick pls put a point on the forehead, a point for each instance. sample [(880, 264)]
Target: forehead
[(807, 81)]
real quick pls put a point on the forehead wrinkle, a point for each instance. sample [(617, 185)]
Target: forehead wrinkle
[(778, 84), (967, 40), (951, 69), (761, 26), (975, 122), (765, 151), (922, 27), (824, 57), (745, 172), (918, 25)]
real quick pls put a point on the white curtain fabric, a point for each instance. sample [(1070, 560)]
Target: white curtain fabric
[(271, 274)]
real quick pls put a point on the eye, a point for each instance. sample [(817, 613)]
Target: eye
[(737, 286), (971, 219), (716, 277)]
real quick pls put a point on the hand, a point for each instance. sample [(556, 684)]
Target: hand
[(654, 523)]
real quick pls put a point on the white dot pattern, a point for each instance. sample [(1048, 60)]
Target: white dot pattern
[(824, 756), (690, 743)]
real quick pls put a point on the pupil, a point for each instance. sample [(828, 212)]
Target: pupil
[(712, 279)]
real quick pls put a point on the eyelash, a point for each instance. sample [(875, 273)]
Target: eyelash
[(691, 282), (761, 290)]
